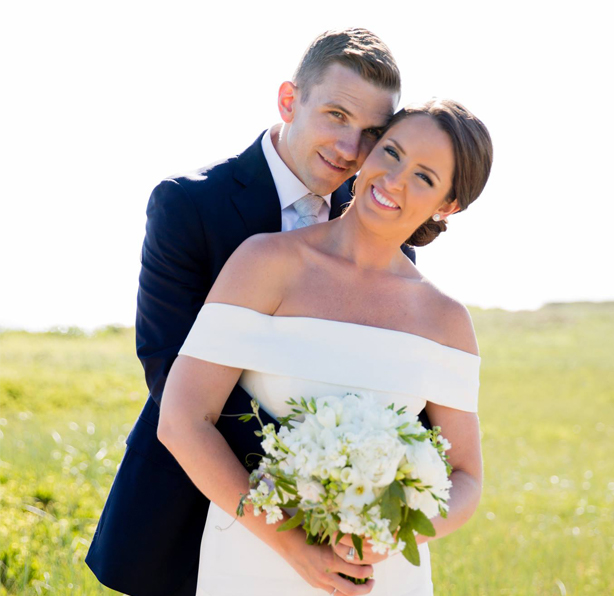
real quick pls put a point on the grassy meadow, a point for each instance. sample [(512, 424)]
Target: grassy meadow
[(544, 525)]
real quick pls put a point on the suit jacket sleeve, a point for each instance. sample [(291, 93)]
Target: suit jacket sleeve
[(173, 283)]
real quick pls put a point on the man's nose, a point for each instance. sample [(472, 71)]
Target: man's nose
[(349, 145)]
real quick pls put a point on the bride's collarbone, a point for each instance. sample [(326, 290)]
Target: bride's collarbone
[(374, 307)]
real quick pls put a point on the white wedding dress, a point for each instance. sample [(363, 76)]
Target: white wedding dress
[(285, 357)]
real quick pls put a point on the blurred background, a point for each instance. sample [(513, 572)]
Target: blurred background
[(103, 100)]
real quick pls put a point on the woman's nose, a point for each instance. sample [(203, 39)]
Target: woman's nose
[(394, 179)]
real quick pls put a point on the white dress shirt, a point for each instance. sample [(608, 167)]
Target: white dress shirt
[(289, 187)]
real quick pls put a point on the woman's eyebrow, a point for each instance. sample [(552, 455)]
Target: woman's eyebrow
[(420, 165), (430, 170), (398, 146)]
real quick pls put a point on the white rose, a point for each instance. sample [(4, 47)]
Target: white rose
[(377, 457), (310, 490)]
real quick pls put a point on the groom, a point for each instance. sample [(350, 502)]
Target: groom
[(342, 95)]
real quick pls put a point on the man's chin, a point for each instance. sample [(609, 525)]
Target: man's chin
[(326, 187)]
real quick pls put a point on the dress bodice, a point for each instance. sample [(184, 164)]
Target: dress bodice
[(285, 357)]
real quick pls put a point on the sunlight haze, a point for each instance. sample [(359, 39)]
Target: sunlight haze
[(102, 101)]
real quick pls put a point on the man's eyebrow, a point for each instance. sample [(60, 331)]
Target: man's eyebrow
[(339, 108), (421, 165)]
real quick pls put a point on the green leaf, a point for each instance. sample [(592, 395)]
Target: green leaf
[(340, 535), (391, 508), (293, 522), (286, 486), (396, 489), (315, 525), (421, 523), (246, 417), (325, 535), (410, 552), (357, 542)]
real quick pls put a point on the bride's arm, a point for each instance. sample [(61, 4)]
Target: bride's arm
[(462, 430), (194, 395)]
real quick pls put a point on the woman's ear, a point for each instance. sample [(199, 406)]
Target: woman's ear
[(448, 209)]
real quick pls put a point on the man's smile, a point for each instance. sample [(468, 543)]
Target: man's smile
[(332, 165)]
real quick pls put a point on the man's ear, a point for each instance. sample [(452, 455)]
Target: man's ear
[(286, 100)]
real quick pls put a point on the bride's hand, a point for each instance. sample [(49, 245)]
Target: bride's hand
[(320, 566), (368, 556)]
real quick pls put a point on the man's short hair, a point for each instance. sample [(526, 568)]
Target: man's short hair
[(358, 49)]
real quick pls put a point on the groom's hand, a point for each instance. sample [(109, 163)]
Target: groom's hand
[(368, 556)]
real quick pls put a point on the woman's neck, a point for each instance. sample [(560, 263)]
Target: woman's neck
[(348, 239)]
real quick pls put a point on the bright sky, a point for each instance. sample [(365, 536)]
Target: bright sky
[(102, 100)]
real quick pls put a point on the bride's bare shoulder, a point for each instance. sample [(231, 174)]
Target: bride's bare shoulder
[(257, 273), (448, 318)]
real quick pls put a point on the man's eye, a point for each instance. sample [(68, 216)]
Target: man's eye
[(338, 115), (425, 178), (375, 133), (388, 149)]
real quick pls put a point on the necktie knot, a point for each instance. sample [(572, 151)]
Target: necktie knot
[(307, 208)]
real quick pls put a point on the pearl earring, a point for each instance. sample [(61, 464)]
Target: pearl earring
[(436, 217)]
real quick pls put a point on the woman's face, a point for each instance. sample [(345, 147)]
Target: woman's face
[(406, 178)]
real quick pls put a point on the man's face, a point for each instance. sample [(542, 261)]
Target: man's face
[(327, 137)]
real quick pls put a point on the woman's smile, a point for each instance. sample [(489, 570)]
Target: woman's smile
[(382, 201)]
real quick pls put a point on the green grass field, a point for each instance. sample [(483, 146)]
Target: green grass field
[(544, 525)]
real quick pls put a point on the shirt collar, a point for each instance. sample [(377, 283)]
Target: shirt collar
[(289, 187)]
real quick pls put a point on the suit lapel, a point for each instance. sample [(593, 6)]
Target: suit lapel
[(340, 198), (257, 202)]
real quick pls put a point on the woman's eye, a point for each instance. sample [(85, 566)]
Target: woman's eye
[(388, 149), (425, 178)]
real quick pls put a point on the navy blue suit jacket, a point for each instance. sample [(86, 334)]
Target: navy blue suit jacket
[(148, 538)]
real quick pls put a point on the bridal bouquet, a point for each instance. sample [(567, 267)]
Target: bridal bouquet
[(353, 466)]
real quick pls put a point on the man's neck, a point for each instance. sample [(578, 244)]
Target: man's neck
[(276, 139)]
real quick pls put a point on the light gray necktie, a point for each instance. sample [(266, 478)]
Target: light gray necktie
[(307, 208)]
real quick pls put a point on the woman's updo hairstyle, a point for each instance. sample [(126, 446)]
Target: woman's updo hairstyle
[(472, 157)]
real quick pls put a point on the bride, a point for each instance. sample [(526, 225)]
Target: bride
[(269, 324)]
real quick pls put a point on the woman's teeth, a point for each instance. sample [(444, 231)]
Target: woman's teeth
[(383, 200)]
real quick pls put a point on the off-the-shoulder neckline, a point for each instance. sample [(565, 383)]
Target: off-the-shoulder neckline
[(333, 321)]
